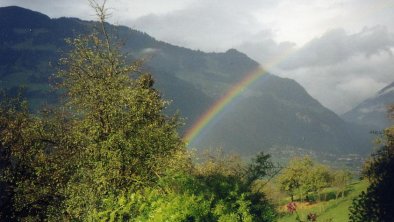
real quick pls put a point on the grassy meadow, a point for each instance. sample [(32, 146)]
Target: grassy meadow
[(331, 210)]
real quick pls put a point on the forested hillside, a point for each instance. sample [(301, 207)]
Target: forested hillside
[(273, 112)]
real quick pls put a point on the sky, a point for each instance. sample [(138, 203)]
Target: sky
[(341, 51)]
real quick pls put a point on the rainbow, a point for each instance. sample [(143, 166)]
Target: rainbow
[(235, 91)]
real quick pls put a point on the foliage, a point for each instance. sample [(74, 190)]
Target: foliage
[(260, 167), (303, 176), (292, 177), (213, 191), (318, 178), (341, 179), (376, 204), (124, 139), (32, 163), (110, 137)]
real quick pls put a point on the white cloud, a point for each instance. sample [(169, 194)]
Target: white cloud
[(339, 69), (213, 26), (336, 46), (342, 86)]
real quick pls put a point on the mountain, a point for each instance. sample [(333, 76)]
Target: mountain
[(279, 112), (272, 112), (373, 111)]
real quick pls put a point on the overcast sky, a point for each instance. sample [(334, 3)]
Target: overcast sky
[(341, 51)]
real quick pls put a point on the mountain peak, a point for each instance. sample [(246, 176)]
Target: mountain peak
[(18, 17), (373, 111), (232, 51), (235, 52), (16, 10)]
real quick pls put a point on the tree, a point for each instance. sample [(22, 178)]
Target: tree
[(318, 178), (30, 161), (260, 167), (377, 203), (216, 189), (13, 121), (292, 178), (341, 179), (124, 141), (109, 137), (303, 176)]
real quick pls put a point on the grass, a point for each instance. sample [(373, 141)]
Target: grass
[(336, 210)]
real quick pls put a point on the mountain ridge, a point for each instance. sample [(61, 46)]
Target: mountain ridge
[(372, 112), (273, 111)]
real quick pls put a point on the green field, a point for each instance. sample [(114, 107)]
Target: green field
[(331, 210)]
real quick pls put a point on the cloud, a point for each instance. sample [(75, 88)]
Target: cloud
[(206, 25), (339, 69), (336, 46), (120, 10), (263, 48), (343, 85)]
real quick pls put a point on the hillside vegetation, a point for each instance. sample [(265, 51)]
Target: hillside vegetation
[(273, 112)]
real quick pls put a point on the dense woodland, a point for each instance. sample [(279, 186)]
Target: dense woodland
[(110, 153)]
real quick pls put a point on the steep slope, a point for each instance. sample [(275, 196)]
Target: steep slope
[(278, 112), (32, 43), (274, 112), (373, 111)]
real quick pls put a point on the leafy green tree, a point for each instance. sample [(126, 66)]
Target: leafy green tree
[(341, 179), (377, 203), (215, 190), (231, 182), (303, 176), (318, 178), (292, 177), (13, 121), (109, 138), (123, 140), (32, 161)]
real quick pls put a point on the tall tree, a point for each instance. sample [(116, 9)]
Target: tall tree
[(377, 203), (124, 139), (108, 138)]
